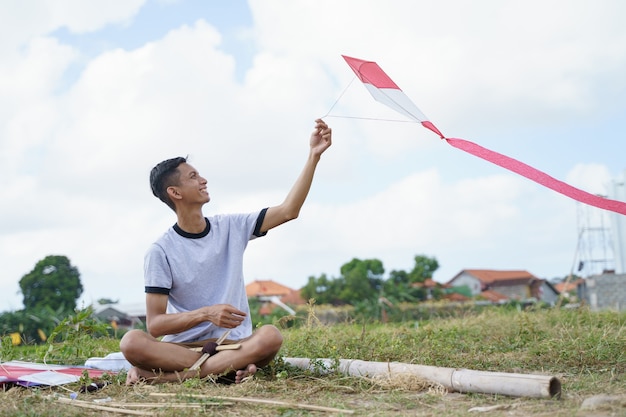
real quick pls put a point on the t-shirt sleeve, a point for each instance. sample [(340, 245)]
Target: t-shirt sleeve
[(259, 223), (157, 273)]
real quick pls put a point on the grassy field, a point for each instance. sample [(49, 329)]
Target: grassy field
[(586, 351)]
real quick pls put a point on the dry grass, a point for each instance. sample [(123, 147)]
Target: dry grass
[(585, 350), (365, 398)]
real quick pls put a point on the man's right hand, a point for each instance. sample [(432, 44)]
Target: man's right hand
[(224, 315)]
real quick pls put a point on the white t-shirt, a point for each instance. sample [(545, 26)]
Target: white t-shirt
[(203, 269)]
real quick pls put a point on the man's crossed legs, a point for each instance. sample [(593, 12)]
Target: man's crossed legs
[(156, 362)]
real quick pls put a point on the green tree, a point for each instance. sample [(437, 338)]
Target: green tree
[(54, 283), (398, 288), (362, 280), (424, 268), (322, 289), (33, 325), (400, 284)]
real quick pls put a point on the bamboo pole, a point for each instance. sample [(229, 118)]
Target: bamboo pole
[(259, 401), (459, 380), (85, 404), (167, 405)]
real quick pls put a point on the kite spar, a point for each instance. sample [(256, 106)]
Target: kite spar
[(384, 90)]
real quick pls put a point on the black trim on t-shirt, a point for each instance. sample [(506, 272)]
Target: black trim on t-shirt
[(259, 224), (203, 233), (157, 290)]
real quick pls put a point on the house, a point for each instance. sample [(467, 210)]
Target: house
[(454, 296), (569, 289), (494, 296), (499, 285), (124, 315), (265, 288), (606, 291), (274, 294), (428, 285)]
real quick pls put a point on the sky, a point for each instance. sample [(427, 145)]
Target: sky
[(94, 93)]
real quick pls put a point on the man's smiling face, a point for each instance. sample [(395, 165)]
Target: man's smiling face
[(192, 186)]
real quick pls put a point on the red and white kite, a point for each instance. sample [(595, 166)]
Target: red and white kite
[(383, 89)]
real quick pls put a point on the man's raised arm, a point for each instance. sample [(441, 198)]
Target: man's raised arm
[(321, 139)]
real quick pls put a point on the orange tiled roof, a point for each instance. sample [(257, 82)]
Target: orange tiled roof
[(489, 276), (568, 286), (455, 297), (428, 283), (266, 287), (293, 298), (493, 296)]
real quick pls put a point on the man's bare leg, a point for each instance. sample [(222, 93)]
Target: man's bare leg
[(171, 362), (137, 374)]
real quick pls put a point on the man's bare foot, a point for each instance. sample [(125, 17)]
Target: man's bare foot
[(133, 376), (243, 374)]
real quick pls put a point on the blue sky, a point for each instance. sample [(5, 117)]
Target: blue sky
[(155, 18), (91, 97)]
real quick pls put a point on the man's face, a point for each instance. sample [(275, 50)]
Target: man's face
[(192, 186)]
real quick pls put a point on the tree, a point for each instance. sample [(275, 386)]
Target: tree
[(424, 268), (399, 286), (54, 283), (362, 280), (323, 290)]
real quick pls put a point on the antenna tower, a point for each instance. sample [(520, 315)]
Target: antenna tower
[(595, 249)]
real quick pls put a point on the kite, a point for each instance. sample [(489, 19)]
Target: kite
[(386, 91), (29, 374)]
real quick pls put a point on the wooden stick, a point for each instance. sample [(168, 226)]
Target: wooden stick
[(199, 362), (85, 404), (205, 356), (168, 405), (260, 401), (219, 348), (232, 346)]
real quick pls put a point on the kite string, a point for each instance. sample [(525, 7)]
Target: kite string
[(355, 117), (339, 98), (370, 118)]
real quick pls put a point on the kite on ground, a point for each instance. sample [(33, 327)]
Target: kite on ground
[(384, 90)]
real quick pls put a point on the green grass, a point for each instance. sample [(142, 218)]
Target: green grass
[(585, 350)]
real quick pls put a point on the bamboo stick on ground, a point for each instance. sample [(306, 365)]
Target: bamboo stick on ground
[(85, 404), (259, 401), (168, 405)]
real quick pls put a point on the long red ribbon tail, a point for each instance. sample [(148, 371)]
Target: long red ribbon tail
[(538, 176)]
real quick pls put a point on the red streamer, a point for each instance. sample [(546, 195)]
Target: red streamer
[(538, 176)]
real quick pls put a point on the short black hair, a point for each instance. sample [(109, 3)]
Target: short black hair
[(164, 175)]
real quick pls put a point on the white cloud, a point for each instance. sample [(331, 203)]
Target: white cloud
[(75, 161), (593, 178), (496, 58), (23, 20)]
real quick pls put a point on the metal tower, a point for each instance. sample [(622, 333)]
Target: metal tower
[(595, 253)]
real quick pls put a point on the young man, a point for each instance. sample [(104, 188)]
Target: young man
[(194, 280)]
